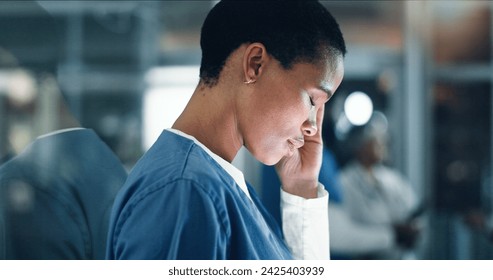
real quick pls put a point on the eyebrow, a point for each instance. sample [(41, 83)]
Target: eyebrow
[(327, 91)]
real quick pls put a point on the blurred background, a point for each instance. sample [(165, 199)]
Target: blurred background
[(129, 67)]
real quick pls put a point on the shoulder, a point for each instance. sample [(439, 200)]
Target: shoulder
[(175, 160), (174, 167)]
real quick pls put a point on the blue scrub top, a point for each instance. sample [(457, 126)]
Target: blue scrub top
[(179, 203)]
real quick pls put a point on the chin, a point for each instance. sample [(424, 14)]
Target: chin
[(266, 155), (267, 159), (270, 163)]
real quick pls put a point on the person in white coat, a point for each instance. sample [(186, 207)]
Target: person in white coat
[(378, 198)]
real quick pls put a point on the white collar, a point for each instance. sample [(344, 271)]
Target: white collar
[(234, 172), (59, 132)]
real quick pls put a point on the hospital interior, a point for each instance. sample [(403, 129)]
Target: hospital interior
[(418, 71)]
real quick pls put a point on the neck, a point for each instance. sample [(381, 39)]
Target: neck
[(209, 118)]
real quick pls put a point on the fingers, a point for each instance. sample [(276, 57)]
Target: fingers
[(312, 128), (320, 118)]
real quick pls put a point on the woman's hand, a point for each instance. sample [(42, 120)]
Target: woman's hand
[(299, 172)]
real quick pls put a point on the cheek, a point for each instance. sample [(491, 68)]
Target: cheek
[(288, 113)]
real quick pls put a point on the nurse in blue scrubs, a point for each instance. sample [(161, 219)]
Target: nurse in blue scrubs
[(267, 70)]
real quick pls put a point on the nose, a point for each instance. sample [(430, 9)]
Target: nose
[(309, 127)]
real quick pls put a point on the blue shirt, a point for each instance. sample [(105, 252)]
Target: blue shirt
[(178, 203), (67, 182)]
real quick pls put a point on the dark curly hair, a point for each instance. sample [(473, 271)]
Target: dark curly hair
[(291, 31)]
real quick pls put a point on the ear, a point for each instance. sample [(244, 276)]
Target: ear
[(254, 60)]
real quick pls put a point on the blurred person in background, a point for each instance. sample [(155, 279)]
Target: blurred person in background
[(55, 194), (378, 198)]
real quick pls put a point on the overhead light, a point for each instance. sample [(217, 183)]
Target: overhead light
[(358, 108)]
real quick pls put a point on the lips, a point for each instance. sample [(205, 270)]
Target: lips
[(297, 143)]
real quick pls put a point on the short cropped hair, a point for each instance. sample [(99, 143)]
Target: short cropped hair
[(359, 136), (291, 31)]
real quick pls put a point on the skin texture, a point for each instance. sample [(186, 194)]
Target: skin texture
[(277, 115)]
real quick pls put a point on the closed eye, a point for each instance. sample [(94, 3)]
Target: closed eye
[(311, 101)]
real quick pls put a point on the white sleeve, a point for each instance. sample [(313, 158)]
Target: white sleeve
[(350, 237), (400, 196), (306, 225)]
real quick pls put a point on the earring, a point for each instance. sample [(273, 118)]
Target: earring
[(251, 81)]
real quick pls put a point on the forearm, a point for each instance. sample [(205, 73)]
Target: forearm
[(305, 225)]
